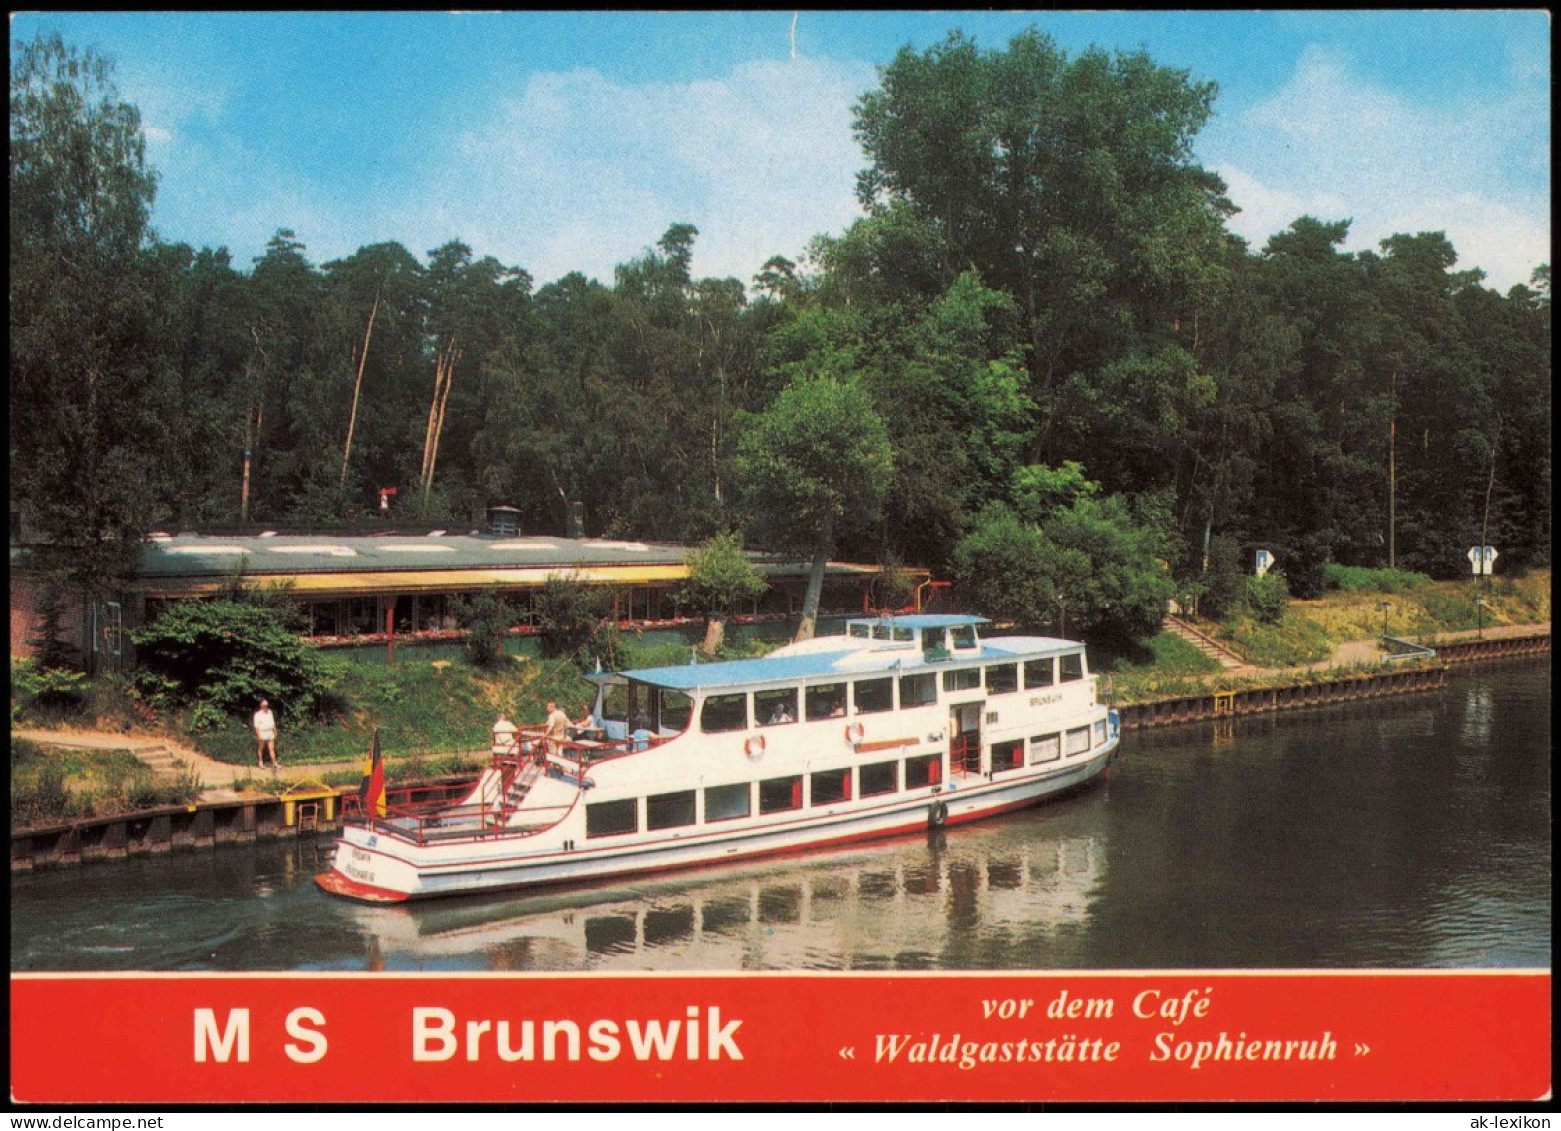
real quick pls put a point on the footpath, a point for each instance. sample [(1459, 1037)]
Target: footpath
[(170, 758)]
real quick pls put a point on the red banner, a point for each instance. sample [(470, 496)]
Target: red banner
[(1012, 1037)]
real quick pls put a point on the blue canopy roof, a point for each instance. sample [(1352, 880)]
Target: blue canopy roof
[(859, 663), (923, 620)]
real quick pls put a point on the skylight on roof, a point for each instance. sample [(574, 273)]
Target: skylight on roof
[(332, 551), (632, 547)]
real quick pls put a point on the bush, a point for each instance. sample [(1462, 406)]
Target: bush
[(1359, 579), (42, 800), (486, 621), (220, 658), (36, 688), (1268, 596)]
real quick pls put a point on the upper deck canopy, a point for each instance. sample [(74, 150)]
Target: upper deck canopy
[(855, 659)]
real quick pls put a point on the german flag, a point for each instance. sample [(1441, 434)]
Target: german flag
[(371, 793)]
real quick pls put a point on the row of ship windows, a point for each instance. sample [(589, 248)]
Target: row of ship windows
[(870, 696), (826, 787)]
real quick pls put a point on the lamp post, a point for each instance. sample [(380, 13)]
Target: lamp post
[(1479, 604), (1384, 606)]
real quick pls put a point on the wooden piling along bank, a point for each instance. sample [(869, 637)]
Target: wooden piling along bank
[(1223, 704), (205, 825), (1344, 689), (311, 811)]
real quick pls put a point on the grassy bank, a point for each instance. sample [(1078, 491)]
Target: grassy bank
[(422, 708), (1419, 610), (428, 710), (52, 783)]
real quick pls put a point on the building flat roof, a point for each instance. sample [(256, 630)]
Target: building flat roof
[(194, 565), (429, 560)]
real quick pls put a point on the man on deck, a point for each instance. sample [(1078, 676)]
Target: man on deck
[(556, 729)]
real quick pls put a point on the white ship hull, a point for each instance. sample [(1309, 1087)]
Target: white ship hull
[(383, 868)]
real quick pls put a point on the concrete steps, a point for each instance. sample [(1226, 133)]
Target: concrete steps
[(1216, 651), (163, 761)]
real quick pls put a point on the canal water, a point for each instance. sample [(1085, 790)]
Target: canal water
[(1401, 833)]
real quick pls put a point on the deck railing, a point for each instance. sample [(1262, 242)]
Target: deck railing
[(565, 759)]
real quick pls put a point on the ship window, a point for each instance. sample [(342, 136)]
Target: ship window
[(1040, 673), (880, 777), (925, 770), (1007, 755), (723, 713), (826, 701), (931, 639), (669, 810), (1072, 666), (615, 702), (1078, 741), (676, 710), (1002, 678), (903, 633), (830, 786), (880, 632), (612, 818), (872, 695), (728, 802), (777, 795), (1100, 733), (918, 690), (963, 636), (1045, 748), (961, 679), (771, 708), (860, 631)]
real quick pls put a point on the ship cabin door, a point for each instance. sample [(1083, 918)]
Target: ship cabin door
[(965, 739)]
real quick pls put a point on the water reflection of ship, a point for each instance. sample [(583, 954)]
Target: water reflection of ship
[(904, 904)]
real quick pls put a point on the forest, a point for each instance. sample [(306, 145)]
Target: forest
[(1038, 357)]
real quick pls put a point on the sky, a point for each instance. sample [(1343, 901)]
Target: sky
[(571, 141)]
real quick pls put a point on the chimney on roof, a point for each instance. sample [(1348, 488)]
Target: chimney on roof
[(503, 522)]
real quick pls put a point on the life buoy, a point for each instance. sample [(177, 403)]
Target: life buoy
[(854, 732), (754, 747), (937, 814)]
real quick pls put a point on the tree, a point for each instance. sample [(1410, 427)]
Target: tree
[(720, 577), (1122, 593), (1068, 182), (89, 406), (1006, 569), (569, 612), (1089, 566), (817, 460)]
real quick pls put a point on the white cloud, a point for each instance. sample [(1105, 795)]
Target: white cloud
[(1336, 147), (582, 173)]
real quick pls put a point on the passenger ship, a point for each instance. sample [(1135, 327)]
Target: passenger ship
[(904, 723)]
